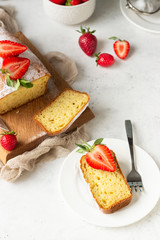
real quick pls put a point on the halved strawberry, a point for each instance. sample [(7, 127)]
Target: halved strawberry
[(15, 66), (121, 47), (98, 156), (10, 49)]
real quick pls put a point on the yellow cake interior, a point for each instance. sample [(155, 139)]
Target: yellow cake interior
[(108, 188), (24, 95), (62, 110)]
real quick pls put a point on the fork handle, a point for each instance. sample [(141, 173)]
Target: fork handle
[(129, 132)]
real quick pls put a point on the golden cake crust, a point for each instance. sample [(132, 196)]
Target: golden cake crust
[(119, 204)]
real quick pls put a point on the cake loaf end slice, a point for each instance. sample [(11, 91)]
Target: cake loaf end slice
[(60, 114)]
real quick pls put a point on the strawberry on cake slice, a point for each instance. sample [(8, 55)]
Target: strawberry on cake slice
[(102, 172)]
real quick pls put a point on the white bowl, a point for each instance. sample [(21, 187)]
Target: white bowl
[(69, 15)]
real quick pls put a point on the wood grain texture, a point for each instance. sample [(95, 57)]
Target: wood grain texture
[(29, 134)]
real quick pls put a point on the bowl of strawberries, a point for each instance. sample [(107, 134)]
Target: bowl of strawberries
[(69, 12)]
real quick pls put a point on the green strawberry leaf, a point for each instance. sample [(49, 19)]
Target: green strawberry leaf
[(83, 147), (67, 3), (114, 38), (98, 141), (8, 133), (25, 83), (80, 150)]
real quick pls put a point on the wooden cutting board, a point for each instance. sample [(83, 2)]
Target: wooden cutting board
[(29, 134)]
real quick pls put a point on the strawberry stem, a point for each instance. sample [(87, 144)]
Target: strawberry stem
[(86, 143), (85, 30), (114, 38), (88, 148), (97, 56), (9, 133)]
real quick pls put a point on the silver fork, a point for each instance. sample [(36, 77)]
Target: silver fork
[(134, 178)]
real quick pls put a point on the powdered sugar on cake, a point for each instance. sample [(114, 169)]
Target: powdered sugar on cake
[(36, 69)]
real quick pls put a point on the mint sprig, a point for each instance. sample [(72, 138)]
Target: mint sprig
[(16, 83)]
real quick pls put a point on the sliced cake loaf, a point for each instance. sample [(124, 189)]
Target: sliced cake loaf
[(59, 115), (10, 97), (110, 189)]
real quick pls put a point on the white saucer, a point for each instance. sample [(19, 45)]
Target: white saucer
[(149, 23), (75, 190)]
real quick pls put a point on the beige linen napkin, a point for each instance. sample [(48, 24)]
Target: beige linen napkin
[(62, 144)]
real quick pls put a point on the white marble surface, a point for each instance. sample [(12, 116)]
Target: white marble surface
[(32, 208)]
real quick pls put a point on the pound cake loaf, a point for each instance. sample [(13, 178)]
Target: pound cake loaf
[(37, 74), (110, 189), (59, 115)]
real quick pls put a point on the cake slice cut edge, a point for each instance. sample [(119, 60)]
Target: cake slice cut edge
[(60, 114), (109, 189)]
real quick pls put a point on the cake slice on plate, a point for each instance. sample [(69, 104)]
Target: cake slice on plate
[(102, 172)]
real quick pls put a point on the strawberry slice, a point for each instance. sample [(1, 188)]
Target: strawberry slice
[(121, 47), (15, 66), (10, 49), (98, 156), (101, 158)]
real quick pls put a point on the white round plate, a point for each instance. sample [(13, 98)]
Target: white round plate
[(149, 23), (76, 194)]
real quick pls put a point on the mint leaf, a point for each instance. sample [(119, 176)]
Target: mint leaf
[(3, 71), (9, 81), (17, 84), (25, 83)]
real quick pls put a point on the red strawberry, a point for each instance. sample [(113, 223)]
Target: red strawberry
[(84, 0), (87, 41), (98, 156), (8, 140), (15, 66), (121, 47), (75, 2), (60, 2), (104, 59), (10, 49)]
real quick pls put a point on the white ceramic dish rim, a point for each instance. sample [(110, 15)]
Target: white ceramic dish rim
[(138, 21)]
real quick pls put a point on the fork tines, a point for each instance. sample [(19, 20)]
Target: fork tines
[(136, 186)]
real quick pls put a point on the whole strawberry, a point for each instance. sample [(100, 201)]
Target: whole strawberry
[(87, 41), (75, 2), (8, 140), (121, 47), (60, 2), (104, 59)]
